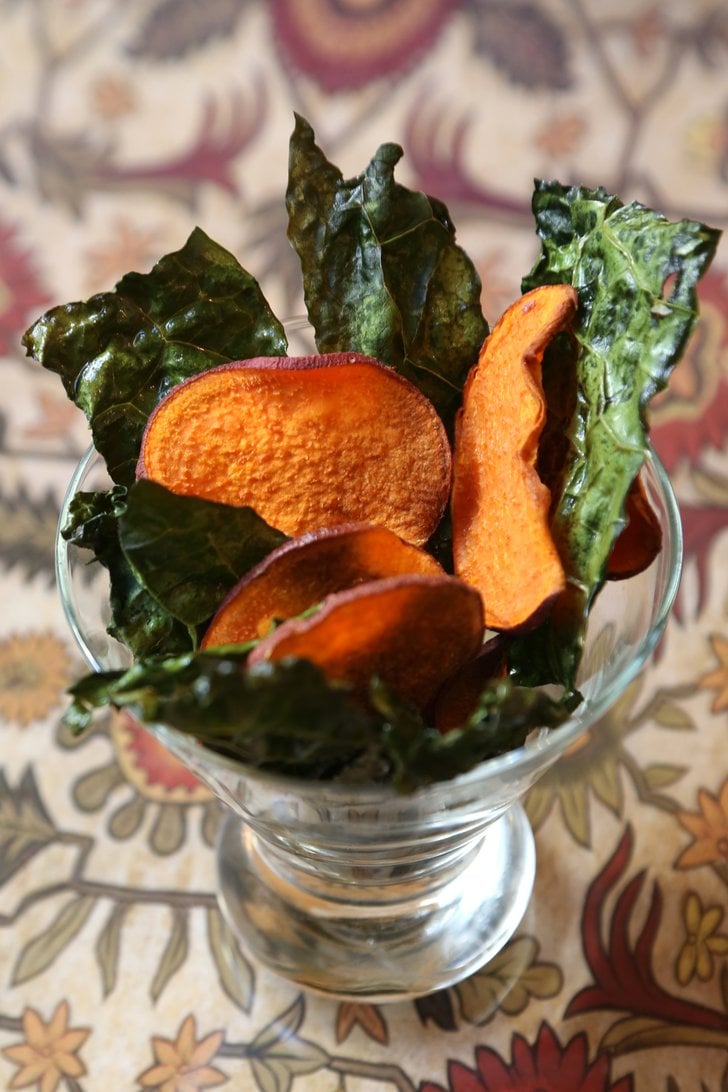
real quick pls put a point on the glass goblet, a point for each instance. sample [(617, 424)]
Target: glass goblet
[(358, 891)]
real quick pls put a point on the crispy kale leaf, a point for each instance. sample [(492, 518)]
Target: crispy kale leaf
[(287, 717), (280, 716), (190, 552), (382, 272), (138, 620), (636, 273), (171, 559), (119, 352)]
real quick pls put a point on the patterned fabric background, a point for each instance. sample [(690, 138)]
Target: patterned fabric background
[(121, 127)]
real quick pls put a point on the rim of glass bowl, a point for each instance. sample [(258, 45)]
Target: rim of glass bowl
[(550, 745)]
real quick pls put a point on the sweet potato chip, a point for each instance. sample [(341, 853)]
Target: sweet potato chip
[(308, 442), (302, 572), (500, 507), (411, 631), (640, 540)]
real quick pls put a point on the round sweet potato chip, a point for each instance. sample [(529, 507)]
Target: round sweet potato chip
[(303, 571), (308, 442), (411, 631)]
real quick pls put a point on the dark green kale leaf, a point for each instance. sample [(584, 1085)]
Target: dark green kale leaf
[(120, 352), (381, 270), (636, 274), (280, 716), (504, 716), (287, 717), (187, 552), (138, 620)]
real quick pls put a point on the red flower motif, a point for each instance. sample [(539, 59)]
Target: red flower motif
[(20, 290), (702, 523), (344, 44), (544, 1067), (150, 767), (692, 414), (622, 968), (435, 139)]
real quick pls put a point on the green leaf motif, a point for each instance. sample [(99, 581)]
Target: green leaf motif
[(189, 552), (606, 783), (108, 947), (670, 715), (642, 1032), (278, 1055), (662, 775), (382, 272), (237, 976), (174, 954), (40, 952), (119, 352), (25, 826), (27, 532), (508, 982)]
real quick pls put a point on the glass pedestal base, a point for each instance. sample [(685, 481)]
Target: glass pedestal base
[(385, 943)]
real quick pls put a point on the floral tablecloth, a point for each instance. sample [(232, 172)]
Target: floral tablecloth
[(122, 126)]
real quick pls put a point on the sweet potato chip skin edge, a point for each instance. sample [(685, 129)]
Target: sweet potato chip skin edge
[(411, 631), (303, 571)]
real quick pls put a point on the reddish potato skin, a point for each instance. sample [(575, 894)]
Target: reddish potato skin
[(640, 540), (459, 695), (412, 631), (304, 571), (355, 442)]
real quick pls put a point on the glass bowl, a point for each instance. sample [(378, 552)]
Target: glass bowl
[(357, 891)]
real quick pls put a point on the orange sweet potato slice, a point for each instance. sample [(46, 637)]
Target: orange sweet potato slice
[(411, 631), (302, 572), (640, 540), (459, 695), (308, 442), (500, 507)]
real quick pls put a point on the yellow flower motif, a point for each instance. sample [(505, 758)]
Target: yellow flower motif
[(49, 1051), (718, 679), (707, 141), (709, 828), (702, 941), (34, 671), (183, 1063)]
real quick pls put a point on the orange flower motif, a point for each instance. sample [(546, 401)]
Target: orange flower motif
[(718, 679), (113, 97), (709, 828), (183, 1063), (128, 247), (561, 135), (49, 1051), (35, 669), (368, 1017), (56, 414)]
